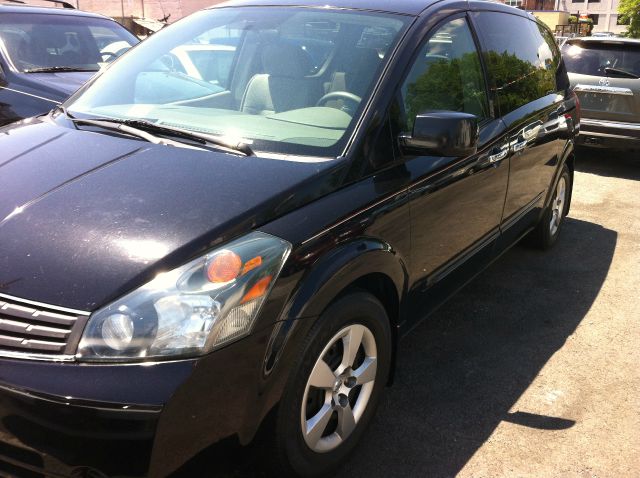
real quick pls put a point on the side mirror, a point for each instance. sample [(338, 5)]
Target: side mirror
[(443, 133)]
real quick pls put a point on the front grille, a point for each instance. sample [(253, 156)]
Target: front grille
[(38, 330)]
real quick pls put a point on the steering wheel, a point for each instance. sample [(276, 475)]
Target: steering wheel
[(353, 100)]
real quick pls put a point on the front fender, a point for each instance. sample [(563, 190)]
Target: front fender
[(341, 267)]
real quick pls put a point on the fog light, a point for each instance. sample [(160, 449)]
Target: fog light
[(117, 331)]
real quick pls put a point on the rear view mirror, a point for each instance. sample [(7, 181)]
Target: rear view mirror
[(443, 133)]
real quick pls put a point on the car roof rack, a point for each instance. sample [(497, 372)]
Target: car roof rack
[(59, 2)]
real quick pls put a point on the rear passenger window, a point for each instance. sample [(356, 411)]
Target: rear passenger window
[(447, 75), (521, 61)]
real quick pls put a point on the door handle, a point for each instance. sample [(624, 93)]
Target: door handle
[(499, 154), (515, 146)]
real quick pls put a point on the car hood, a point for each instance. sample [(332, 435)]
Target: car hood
[(58, 86), (86, 216)]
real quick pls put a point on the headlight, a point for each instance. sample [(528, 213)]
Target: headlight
[(191, 310)]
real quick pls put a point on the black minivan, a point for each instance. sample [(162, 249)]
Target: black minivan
[(184, 262)]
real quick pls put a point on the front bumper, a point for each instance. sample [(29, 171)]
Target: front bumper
[(608, 134), (136, 420), (143, 420), (64, 420)]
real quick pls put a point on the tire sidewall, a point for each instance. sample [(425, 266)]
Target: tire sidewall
[(356, 308), (549, 238)]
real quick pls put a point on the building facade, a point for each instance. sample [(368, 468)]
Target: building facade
[(604, 13), (125, 10)]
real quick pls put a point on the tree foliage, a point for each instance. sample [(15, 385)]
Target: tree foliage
[(456, 85), (630, 10)]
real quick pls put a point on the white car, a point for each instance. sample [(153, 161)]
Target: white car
[(210, 63)]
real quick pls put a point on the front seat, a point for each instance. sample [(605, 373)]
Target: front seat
[(359, 74), (282, 86)]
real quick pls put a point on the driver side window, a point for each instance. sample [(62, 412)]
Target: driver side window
[(447, 75)]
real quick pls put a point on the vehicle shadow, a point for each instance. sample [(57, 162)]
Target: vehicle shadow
[(618, 164), (460, 372)]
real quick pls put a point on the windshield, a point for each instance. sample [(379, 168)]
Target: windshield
[(591, 58), (35, 42), (285, 80)]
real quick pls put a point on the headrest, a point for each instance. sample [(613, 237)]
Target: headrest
[(284, 59), (365, 62)]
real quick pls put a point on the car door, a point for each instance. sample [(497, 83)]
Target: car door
[(522, 60), (456, 202)]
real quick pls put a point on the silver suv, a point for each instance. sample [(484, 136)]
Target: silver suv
[(605, 74)]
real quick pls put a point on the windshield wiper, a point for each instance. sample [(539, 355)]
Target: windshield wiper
[(57, 69), (143, 129), (617, 71)]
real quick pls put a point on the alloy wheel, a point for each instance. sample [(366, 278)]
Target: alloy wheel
[(557, 205), (339, 388)]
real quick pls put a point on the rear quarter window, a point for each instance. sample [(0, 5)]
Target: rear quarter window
[(521, 56)]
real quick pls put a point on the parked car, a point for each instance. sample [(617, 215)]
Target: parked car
[(603, 34), (48, 53), (605, 74), (204, 62), (243, 262)]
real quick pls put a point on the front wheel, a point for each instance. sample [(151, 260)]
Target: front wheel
[(548, 229), (336, 388)]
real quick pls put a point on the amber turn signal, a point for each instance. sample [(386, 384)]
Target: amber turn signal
[(252, 264), (258, 290), (224, 267)]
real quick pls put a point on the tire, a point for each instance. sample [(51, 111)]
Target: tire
[(546, 233), (331, 397)]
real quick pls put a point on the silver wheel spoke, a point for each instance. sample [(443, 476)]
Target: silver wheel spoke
[(322, 376), (351, 343), (346, 421), (558, 206), (367, 371), (336, 387), (318, 423)]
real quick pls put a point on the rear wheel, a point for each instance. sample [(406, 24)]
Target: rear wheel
[(547, 231), (335, 388)]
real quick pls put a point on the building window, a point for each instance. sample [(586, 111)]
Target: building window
[(622, 20), (514, 3), (593, 1), (594, 17), (577, 1)]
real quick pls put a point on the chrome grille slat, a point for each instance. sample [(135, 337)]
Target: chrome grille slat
[(24, 312), (33, 330), (31, 344), (17, 327)]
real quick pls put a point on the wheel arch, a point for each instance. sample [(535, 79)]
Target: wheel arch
[(364, 264), (367, 263), (566, 158)]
